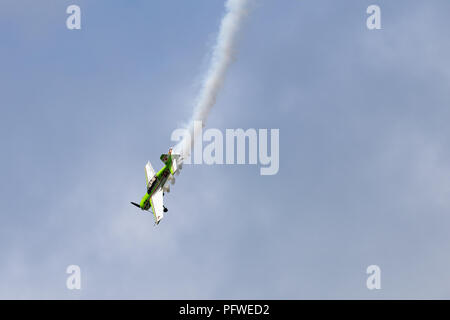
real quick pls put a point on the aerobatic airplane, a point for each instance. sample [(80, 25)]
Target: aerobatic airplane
[(158, 184)]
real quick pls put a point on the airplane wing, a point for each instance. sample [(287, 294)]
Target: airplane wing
[(149, 172), (157, 205)]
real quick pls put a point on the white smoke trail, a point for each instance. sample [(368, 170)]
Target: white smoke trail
[(222, 56)]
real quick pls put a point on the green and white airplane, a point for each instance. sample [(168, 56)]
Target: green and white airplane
[(158, 184)]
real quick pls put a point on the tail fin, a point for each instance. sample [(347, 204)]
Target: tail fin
[(176, 161), (135, 204)]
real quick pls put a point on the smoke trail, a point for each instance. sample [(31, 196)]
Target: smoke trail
[(222, 56)]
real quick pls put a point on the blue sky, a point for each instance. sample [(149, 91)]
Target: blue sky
[(364, 161)]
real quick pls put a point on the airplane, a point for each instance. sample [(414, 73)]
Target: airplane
[(158, 184)]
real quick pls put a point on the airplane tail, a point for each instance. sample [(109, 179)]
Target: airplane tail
[(177, 160)]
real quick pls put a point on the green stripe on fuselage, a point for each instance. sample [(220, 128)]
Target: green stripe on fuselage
[(161, 178)]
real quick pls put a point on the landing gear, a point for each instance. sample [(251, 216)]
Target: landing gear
[(165, 209)]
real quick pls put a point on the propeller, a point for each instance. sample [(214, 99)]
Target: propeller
[(135, 204)]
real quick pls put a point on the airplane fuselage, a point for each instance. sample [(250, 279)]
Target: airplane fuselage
[(160, 180)]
